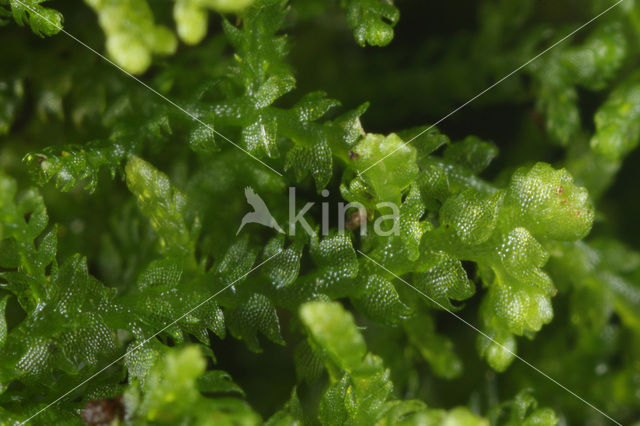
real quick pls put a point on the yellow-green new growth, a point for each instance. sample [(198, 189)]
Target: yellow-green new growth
[(163, 204)]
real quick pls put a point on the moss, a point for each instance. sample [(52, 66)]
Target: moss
[(126, 285)]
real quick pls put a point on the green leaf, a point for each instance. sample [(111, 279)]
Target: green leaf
[(42, 20), (520, 309), (21, 222), (472, 152), (380, 301), (191, 21), (332, 405), (275, 87), (337, 264), (590, 65), (218, 381), (372, 21), (283, 268), (70, 165), (290, 415), (165, 272), (387, 164), (163, 204), (140, 359), (256, 314), (523, 410), (520, 258), (548, 203), (191, 16), (371, 386), (471, 215), (435, 348), (350, 125), (314, 106), (67, 331), (171, 385), (236, 262), (163, 297), (500, 350), (457, 416), (598, 58), (132, 36), (412, 228), (260, 136), (203, 139), (426, 140), (558, 99), (617, 128), (3, 320), (308, 364), (11, 96), (333, 330), (316, 160), (443, 278)]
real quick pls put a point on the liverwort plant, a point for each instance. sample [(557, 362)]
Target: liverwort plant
[(227, 243)]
